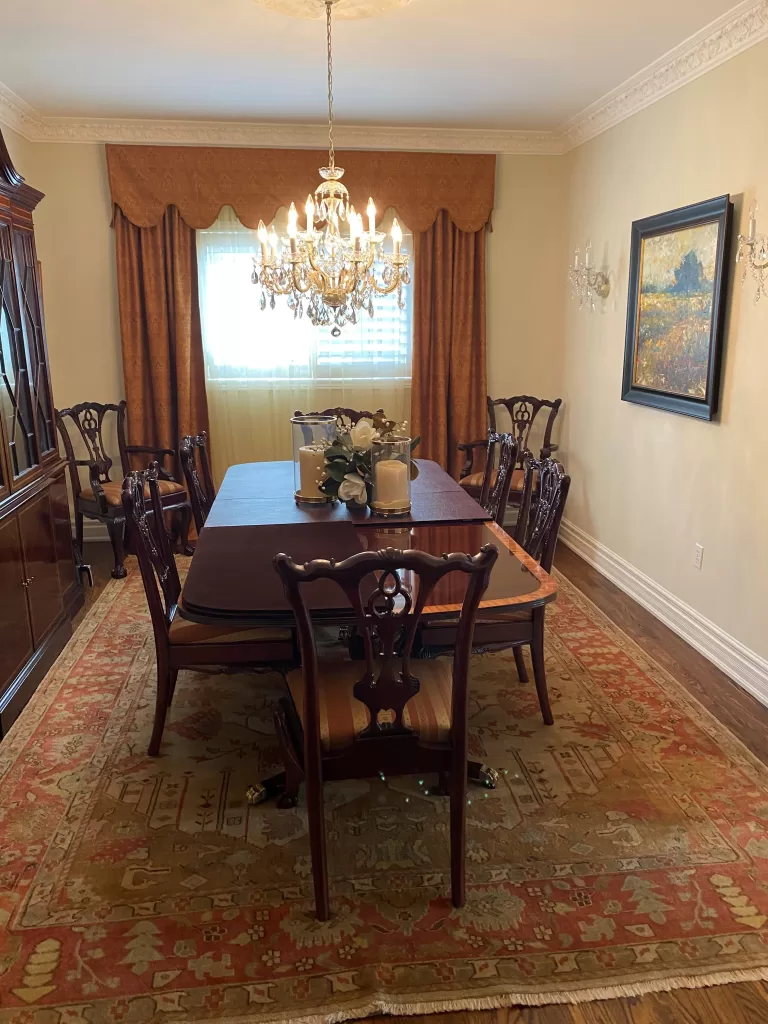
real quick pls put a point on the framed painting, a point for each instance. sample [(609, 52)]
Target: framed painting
[(675, 322)]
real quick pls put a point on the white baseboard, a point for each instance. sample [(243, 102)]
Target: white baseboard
[(93, 531), (738, 662)]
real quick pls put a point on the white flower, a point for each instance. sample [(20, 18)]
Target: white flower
[(352, 488), (363, 435)]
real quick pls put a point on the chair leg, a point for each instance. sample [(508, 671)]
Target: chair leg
[(458, 816), (166, 679), (294, 774), (174, 675), (185, 513), (314, 790), (522, 671), (539, 672), (79, 532), (116, 528)]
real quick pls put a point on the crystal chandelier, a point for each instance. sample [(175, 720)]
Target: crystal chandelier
[(336, 275)]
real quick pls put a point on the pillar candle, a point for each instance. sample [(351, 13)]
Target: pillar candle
[(391, 484), (311, 470)]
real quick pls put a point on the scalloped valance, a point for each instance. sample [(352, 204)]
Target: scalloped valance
[(200, 180)]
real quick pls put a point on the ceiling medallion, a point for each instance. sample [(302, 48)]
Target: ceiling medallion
[(336, 275), (344, 9)]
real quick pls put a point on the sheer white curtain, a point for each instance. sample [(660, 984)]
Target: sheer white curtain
[(263, 366)]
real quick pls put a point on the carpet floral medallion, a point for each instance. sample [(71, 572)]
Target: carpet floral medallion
[(625, 850)]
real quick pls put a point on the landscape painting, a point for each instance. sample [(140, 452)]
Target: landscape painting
[(676, 305)]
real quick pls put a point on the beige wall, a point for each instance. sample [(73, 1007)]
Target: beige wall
[(525, 309), (75, 246), (649, 484)]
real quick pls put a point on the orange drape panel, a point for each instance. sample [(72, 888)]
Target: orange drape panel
[(449, 388), (160, 329)]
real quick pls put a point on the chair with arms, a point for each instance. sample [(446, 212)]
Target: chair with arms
[(193, 454), (522, 411), (390, 715), (545, 492), (180, 643), (101, 500)]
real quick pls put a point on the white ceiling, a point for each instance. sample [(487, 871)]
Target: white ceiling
[(496, 64)]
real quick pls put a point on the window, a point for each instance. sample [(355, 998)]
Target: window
[(275, 347), (261, 367)]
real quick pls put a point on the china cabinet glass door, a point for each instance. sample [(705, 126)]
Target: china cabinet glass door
[(15, 397)]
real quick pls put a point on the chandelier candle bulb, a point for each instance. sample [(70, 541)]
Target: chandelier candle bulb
[(397, 236), (309, 209), (753, 221), (371, 211)]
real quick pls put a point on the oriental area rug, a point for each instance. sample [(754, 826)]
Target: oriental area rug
[(624, 851)]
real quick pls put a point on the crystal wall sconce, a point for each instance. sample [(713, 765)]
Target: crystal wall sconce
[(587, 284), (753, 253)]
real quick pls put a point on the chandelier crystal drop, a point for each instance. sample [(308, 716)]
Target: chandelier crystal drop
[(331, 276)]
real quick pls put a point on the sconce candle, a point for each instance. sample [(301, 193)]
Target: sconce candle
[(588, 284), (753, 253)]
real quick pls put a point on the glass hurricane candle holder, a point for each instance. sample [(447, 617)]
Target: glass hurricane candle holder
[(311, 436), (391, 476)]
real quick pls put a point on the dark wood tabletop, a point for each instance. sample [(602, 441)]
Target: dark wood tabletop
[(261, 494), (232, 579)]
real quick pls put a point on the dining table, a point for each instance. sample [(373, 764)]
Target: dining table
[(231, 579)]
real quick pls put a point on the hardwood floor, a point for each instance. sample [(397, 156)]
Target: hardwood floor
[(745, 1003)]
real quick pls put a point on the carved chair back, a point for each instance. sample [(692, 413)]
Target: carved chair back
[(388, 619), (545, 492), (522, 411), (146, 528), (89, 422), (495, 492), (351, 414), (193, 453)]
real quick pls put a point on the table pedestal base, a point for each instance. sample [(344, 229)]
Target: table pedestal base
[(273, 788)]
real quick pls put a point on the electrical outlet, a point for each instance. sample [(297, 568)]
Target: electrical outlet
[(698, 556)]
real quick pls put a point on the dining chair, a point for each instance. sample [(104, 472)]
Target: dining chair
[(389, 715), (180, 643), (494, 493), (90, 424), (522, 412), (196, 466), (545, 492)]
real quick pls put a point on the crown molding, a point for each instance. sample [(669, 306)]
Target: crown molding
[(718, 42), (301, 136)]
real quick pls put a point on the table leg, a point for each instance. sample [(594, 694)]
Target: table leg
[(273, 787)]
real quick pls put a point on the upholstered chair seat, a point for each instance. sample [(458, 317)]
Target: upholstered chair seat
[(343, 716), (475, 480), (113, 491)]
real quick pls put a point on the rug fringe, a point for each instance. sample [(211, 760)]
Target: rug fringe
[(501, 1000)]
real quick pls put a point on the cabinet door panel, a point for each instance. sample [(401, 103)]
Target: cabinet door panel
[(39, 546), (62, 528), (16, 407), (16, 645), (31, 307)]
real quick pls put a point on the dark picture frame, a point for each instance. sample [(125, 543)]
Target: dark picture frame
[(667, 320)]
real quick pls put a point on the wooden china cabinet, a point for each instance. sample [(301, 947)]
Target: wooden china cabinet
[(39, 586)]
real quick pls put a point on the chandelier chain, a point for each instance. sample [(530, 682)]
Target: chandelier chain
[(331, 150)]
